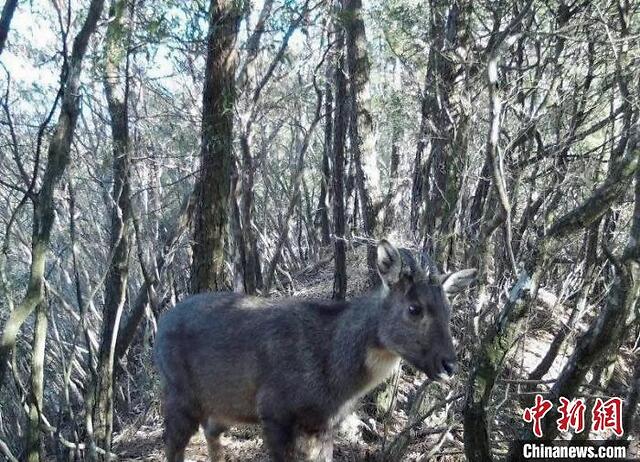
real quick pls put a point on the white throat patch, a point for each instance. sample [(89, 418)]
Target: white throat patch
[(380, 365)]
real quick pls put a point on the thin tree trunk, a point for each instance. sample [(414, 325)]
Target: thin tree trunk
[(237, 237), (390, 211), (92, 453), (480, 197), (630, 413), (249, 240), (419, 167), (253, 42), (116, 83), (339, 138), (325, 181), (34, 440), (5, 21), (397, 133), (251, 264)]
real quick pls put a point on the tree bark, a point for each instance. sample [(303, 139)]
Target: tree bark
[(390, 210), (322, 214), (249, 241), (392, 201), (212, 188), (116, 85), (34, 439), (236, 238), (630, 406), (339, 137), (361, 125), (5, 21), (419, 165)]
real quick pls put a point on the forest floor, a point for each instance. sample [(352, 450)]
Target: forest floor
[(374, 423)]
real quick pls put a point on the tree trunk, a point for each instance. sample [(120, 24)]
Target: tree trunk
[(116, 86), (246, 218), (393, 195), (630, 406), (419, 166), (339, 138), (34, 440), (5, 21), (322, 215), (236, 237), (212, 188), (479, 197), (361, 126)]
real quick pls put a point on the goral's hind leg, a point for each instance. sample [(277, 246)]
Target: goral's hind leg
[(212, 432)]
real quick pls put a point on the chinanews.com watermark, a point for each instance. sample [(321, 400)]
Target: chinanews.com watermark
[(605, 419), (574, 450)]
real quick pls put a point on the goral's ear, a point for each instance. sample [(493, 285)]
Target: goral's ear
[(453, 283), (389, 263)]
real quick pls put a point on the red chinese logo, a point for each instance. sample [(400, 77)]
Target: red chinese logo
[(607, 415), (536, 413), (571, 415)]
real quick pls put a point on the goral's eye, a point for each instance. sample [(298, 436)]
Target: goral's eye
[(415, 310)]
